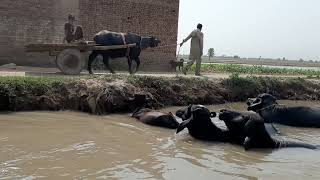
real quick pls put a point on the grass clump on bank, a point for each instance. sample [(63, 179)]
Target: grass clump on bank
[(24, 93), (179, 91), (240, 88), (29, 84), (256, 69)]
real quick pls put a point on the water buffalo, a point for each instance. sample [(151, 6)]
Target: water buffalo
[(141, 101), (186, 112), (266, 105), (201, 127), (154, 118), (251, 131), (108, 38)]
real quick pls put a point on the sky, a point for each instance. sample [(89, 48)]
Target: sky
[(253, 28)]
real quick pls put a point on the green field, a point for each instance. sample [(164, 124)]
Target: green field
[(256, 69)]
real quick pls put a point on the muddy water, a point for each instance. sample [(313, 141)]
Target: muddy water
[(68, 145)]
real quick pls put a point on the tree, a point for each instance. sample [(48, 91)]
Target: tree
[(210, 53)]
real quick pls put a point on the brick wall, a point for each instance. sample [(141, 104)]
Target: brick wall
[(31, 21), (145, 17), (36, 21)]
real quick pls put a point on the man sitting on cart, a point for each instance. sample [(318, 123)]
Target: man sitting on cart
[(71, 35)]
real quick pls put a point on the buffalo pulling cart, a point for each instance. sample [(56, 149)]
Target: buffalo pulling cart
[(72, 58)]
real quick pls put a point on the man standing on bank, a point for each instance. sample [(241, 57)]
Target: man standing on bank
[(196, 49)]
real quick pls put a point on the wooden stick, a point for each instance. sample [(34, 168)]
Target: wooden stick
[(81, 47)]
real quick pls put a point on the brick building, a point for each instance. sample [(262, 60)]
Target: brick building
[(34, 21)]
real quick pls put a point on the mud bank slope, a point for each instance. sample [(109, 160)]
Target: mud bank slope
[(111, 93)]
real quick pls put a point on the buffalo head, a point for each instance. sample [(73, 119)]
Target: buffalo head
[(260, 102), (153, 41), (197, 114)]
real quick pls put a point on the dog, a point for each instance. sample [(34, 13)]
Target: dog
[(175, 64)]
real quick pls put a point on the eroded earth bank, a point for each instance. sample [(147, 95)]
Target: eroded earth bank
[(113, 93)]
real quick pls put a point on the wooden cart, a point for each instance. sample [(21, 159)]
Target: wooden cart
[(72, 58)]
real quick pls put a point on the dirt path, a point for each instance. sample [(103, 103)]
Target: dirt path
[(37, 71)]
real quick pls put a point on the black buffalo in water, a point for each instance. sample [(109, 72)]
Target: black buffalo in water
[(185, 113), (108, 38), (266, 105), (251, 131), (155, 118), (199, 124)]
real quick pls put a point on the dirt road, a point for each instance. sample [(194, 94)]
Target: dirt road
[(37, 71)]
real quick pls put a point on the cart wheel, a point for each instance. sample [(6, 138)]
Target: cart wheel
[(71, 61)]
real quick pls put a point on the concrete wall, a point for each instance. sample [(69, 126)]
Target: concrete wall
[(36, 21)]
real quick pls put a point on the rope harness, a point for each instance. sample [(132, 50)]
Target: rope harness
[(269, 107), (125, 43), (169, 45), (178, 52)]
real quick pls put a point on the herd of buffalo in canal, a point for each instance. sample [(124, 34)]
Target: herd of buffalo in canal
[(248, 129)]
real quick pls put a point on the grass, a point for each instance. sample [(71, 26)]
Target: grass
[(26, 82), (9, 85), (242, 87), (234, 81), (255, 69)]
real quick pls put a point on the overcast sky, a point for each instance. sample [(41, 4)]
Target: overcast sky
[(253, 28)]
